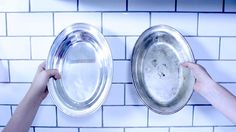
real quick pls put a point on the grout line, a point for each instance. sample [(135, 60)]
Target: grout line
[(133, 11), (121, 59), (102, 23), (219, 56), (175, 5), (127, 6), (148, 116), (125, 47), (122, 83), (53, 24), (197, 23), (124, 127), (111, 36), (9, 72), (223, 6), (102, 120), (193, 115), (30, 48), (6, 24), (150, 19), (29, 5), (30, 36), (24, 59), (56, 116), (78, 5), (11, 110), (202, 105), (125, 88)]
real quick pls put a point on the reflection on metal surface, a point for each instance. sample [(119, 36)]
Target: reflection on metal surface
[(163, 85), (82, 56)]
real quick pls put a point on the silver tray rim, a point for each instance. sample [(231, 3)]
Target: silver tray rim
[(107, 51), (173, 32)]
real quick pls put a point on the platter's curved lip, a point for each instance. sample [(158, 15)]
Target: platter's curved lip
[(107, 63), (136, 74)]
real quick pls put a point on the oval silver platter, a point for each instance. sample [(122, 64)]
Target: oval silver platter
[(161, 82), (83, 58)]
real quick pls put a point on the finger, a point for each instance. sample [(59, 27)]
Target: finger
[(198, 70), (193, 67), (41, 66), (53, 73), (189, 65)]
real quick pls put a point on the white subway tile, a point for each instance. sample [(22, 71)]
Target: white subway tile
[(4, 71), (185, 23), (124, 116), (14, 48), (42, 116), (131, 96), (5, 114), (2, 24), (102, 5), (12, 93), (14, 5), (63, 20), (101, 129), (23, 70), (225, 129), (53, 5), (209, 116), (29, 24), (217, 24), (191, 129), (122, 71), (146, 130), (117, 46), (204, 47), (221, 71), (30, 130), (92, 120), (230, 6), (227, 48), (56, 129), (181, 118), (116, 95), (151, 5), (231, 87), (197, 99), (200, 5), (48, 101), (40, 47), (125, 23), (130, 43)]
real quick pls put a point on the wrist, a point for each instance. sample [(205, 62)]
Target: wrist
[(35, 96), (208, 89)]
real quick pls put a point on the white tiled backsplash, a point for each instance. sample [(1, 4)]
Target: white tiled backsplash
[(28, 28)]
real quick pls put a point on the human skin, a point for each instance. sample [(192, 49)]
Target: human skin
[(28, 107), (216, 94)]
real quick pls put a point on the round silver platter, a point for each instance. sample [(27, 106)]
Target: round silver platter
[(163, 85), (83, 58)]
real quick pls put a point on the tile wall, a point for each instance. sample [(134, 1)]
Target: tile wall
[(28, 28)]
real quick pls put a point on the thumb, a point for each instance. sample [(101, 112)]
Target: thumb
[(198, 70), (53, 73)]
